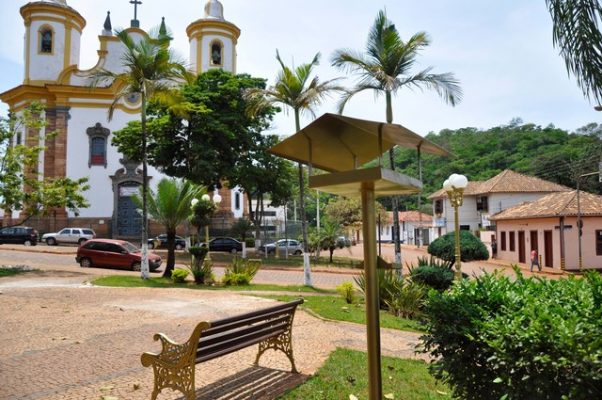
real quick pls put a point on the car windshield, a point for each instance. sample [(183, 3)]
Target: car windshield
[(130, 247)]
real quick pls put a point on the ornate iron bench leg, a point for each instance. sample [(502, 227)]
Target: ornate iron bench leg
[(282, 342)]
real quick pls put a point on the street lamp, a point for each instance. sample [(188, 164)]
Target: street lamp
[(216, 200), (454, 186)]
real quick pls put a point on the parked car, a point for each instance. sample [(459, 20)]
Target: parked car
[(161, 241), (344, 241), (113, 253), (292, 246), (19, 235), (225, 244), (69, 236)]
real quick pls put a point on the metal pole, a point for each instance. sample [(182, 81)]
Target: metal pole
[(457, 234), (372, 300)]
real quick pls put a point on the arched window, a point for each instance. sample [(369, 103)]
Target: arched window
[(46, 37), (98, 137), (216, 53)]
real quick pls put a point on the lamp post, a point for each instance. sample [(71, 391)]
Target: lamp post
[(216, 200), (454, 186)]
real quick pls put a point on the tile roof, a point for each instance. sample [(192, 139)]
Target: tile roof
[(414, 216), (554, 205), (508, 181)]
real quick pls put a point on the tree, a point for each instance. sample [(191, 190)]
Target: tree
[(347, 212), (576, 34), (471, 248), (385, 68), (242, 228), (170, 206), (329, 234), (296, 89), (22, 187), (150, 71)]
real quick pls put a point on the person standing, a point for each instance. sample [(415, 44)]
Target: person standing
[(535, 260)]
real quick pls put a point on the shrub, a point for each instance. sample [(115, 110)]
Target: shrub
[(179, 275), (471, 247), (406, 299), (240, 272), (347, 291), (436, 277), (201, 269), (250, 243), (523, 339), (387, 280)]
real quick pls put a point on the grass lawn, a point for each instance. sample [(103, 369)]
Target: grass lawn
[(294, 261), (12, 271), (159, 282), (335, 308), (345, 373)]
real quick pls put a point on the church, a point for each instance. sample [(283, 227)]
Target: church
[(78, 114)]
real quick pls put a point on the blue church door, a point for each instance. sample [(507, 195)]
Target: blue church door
[(129, 220)]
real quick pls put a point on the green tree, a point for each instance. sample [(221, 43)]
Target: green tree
[(150, 71), (576, 34), (170, 206), (22, 187), (242, 228), (328, 237), (471, 248), (385, 68), (295, 88)]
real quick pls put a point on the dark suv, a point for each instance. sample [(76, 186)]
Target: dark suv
[(19, 235)]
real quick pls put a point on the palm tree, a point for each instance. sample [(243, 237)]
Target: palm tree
[(170, 206), (576, 33), (296, 89), (150, 71), (386, 67)]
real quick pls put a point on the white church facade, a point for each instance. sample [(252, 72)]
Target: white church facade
[(78, 114)]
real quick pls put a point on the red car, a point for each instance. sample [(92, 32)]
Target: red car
[(113, 253)]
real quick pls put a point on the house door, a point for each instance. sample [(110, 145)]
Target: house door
[(548, 249), (534, 241), (521, 247), (129, 221)]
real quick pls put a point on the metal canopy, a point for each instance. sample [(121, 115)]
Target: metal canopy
[(383, 182), (337, 143)]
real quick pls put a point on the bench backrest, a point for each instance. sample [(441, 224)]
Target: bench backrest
[(234, 333)]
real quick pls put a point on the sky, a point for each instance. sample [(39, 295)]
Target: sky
[(501, 51)]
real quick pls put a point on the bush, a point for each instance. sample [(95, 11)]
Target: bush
[(387, 280), (436, 277), (201, 269), (347, 291), (523, 339), (471, 247), (406, 299), (241, 272), (179, 275), (250, 243)]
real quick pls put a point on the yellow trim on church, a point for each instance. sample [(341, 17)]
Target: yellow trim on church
[(196, 27), (69, 13)]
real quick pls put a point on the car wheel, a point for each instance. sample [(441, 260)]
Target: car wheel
[(297, 252), (151, 245), (51, 242), (233, 251), (85, 263), (81, 241), (179, 246), (136, 266), (27, 243)]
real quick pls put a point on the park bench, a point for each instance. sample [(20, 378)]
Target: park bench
[(173, 367)]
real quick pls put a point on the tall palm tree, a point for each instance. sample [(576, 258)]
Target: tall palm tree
[(170, 206), (295, 88), (385, 68), (577, 35), (150, 70)]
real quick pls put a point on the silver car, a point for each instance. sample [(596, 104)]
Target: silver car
[(290, 245), (69, 236)]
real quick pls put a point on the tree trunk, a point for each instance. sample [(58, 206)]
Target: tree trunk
[(395, 202), (171, 253), (144, 269)]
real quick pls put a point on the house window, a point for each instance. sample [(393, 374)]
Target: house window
[(46, 40), (98, 137), (503, 240), (438, 206), (216, 53), (512, 242), (237, 201), (482, 204), (599, 243)]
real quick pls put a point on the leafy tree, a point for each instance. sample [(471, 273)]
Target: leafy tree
[(329, 235), (150, 71), (242, 228), (347, 212), (170, 206), (296, 89), (385, 68), (22, 187), (471, 248), (202, 210), (578, 37)]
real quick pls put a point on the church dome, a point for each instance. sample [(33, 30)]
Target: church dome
[(57, 2), (214, 9)]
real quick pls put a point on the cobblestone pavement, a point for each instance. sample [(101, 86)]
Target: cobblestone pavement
[(83, 342)]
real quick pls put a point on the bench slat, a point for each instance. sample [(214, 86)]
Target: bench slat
[(246, 320), (233, 348), (206, 341), (288, 306)]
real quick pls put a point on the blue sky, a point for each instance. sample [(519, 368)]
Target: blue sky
[(501, 51)]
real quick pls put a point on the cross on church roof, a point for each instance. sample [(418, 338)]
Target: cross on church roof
[(135, 23)]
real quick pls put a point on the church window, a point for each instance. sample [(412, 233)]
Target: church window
[(216, 53), (46, 40), (237, 201), (98, 137)]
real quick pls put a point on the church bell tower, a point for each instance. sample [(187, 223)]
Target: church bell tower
[(213, 40)]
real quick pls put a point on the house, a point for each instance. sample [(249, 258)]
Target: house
[(485, 198), (550, 226), (410, 222)]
